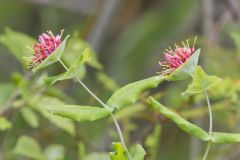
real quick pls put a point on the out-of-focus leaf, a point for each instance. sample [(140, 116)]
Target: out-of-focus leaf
[(200, 82), (236, 38), (129, 111), (186, 69), (107, 82), (17, 43), (129, 93), (4, 124), (5, 92), (54, 57), (180, 122), (54, 152), (79, 113), (96, 156), (218, 137), (153, 141), (119, 153), (81, 151), (28, 147), (75, 47), (72, 71), (64, 123), (138, 153), (30, 117)]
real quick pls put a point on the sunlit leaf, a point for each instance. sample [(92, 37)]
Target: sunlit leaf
[(79, 113), (200, 82), (218, 137), (4, 124), (30, 117), (54, 152), (129, 93), (17, 43), (28, 147), (73, 71), (54, 57), (186, 69), (119, 152), (138, 153), (180, 122)]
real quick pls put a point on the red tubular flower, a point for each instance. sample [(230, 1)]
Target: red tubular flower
[(175, 58), (46, 46)]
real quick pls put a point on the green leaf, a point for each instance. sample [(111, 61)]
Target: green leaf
[(183, 124), (107, 82), (128, 94), (5, 92), (119, 153), (75, 47), (186, 69), (54, 152), (79, 113), (30, 117), (138, 153), (53, 57), (4, 124), (61, 122), (17, 43), (200, 82), (28, 147), (73, 71), (218, 137)]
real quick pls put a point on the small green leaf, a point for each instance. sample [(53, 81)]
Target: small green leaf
[(119, 153), (180, 122), (17, 43), (186, 69), (218, 137), (4, 124), (75, 47), (200, 82), (54, 57), (128, 94), (79, 113), (28, 147), (30, 117), (138, 153), (54, 152), (73, 71)]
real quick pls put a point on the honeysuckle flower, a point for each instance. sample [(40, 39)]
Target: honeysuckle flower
[(46, 46), (175, 58)]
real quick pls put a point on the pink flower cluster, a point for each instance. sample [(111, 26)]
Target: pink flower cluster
[(47, 45), (175, 58)]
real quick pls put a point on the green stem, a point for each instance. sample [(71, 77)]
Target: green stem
[(210, 124), (105, 106), (207, 150)]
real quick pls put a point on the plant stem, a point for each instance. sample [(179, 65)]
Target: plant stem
[(105, 106), (207, 150), (210, 124)]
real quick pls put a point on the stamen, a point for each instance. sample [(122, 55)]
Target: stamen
[(195, 39)]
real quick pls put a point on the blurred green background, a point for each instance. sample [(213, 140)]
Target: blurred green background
[(128, 38)]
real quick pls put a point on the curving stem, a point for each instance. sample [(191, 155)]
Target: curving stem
[(210, 124), (105, 106)]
